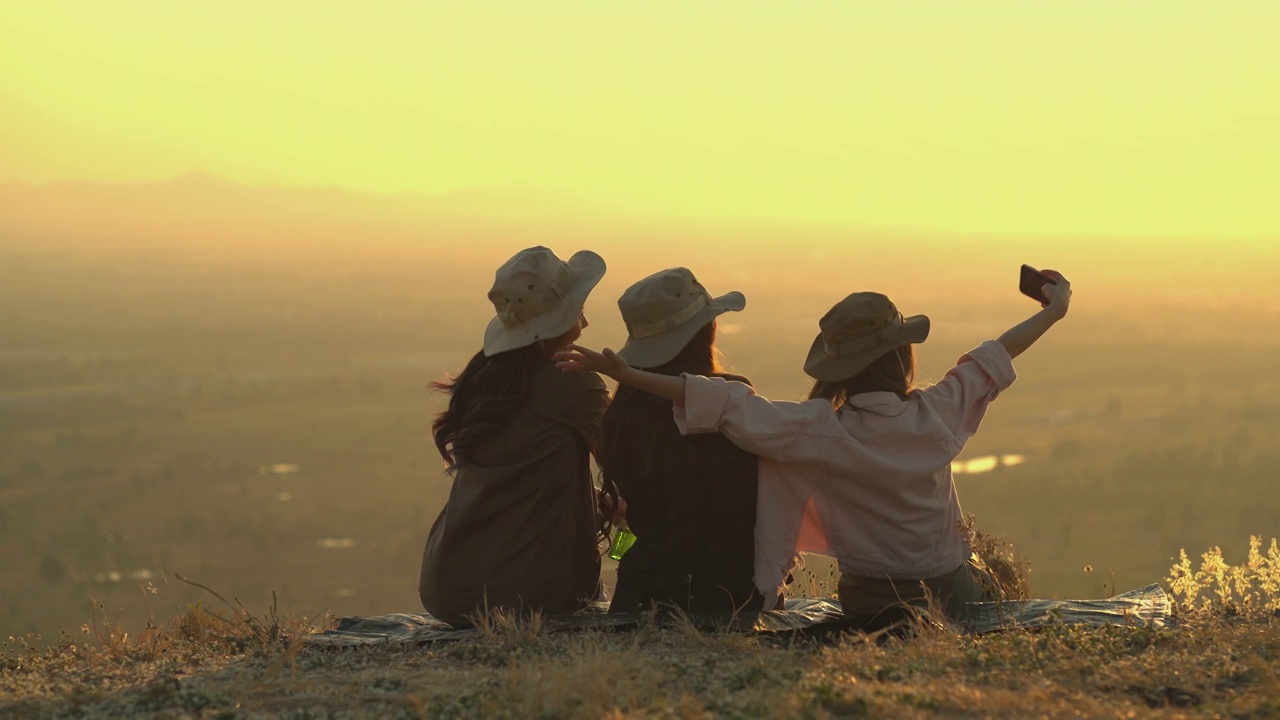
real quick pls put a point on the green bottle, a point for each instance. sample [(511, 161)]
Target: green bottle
[(622, 542)]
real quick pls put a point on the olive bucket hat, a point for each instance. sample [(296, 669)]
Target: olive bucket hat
[(664, 311), (538, 296), (857, 331)]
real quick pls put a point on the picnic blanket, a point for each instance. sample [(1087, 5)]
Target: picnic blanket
[(804, 617)]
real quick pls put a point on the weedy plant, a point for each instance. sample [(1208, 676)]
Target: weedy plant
[(995, 555), (1250, 588)]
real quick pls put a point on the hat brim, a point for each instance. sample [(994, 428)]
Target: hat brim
[(655, 350), (588, 268), (831, 368)]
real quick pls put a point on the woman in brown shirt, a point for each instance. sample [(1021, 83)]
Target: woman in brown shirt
[(520, 529)]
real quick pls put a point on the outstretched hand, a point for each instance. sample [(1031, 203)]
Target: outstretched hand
[(1057, 298), (1058, 293), (609, 363), (579, 358)]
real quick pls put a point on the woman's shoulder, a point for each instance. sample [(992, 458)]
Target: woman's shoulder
[(553, 380), (572, 398)]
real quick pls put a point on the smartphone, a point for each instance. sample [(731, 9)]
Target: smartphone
[(1031, 281)]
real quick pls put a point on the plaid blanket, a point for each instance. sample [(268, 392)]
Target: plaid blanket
[(802, 617)]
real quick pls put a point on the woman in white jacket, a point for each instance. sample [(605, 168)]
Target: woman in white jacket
[(862, 470)]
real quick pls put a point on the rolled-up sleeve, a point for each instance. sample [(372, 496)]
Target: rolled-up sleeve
[(705, 401), (784, 431), (960, 400)]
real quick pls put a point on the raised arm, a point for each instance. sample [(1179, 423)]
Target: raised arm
[(1023, 335), (960, 399)]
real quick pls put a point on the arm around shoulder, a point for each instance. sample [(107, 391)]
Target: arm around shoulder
[(779, 430)]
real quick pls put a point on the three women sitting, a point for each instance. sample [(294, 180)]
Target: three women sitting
[(860, 471)]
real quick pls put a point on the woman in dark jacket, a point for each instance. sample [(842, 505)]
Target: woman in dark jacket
[(691, 501), (521, 528)]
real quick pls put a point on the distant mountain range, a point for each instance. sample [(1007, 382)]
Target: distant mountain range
[(194, 203), (211, 214), (202, 212)]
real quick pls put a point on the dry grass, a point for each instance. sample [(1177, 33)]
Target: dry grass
[(995, 555), (1221, 660), (1218, 586)]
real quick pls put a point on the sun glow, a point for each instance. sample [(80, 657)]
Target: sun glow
[(987, 116)]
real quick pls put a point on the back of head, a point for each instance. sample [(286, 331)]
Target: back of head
[(485, 396), (631, 406), (698, 356), (893, 372), (537, 296), (858, 332), (636, 419), (665, 313), (482, 399)]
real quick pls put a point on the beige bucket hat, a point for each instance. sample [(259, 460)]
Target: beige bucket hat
[(538, 296), (664, 311), (856, 332)]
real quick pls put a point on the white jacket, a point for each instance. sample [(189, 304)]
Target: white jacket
[(869, 483)]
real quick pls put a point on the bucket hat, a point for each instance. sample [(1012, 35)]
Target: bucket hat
[(664, 311), (538, 296), (856, 332)]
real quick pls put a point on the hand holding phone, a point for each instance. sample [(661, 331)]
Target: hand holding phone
[(1031, 283)]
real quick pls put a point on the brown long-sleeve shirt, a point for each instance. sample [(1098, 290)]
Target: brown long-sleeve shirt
[(519, 528)]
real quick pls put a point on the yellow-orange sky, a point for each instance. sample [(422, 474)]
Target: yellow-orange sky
[(1090, 116)]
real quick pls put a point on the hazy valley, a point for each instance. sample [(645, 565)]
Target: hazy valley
[(230, 383)]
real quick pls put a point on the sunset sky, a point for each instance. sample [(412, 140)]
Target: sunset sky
[(1121, 117)]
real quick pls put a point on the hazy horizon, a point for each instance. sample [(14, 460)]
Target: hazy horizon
[(1123, 119), (530, 202)]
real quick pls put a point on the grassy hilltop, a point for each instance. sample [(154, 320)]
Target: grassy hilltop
[(1221, 659)]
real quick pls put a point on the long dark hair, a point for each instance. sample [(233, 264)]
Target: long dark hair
[(482, 398), (632, 409), (894, 372)]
